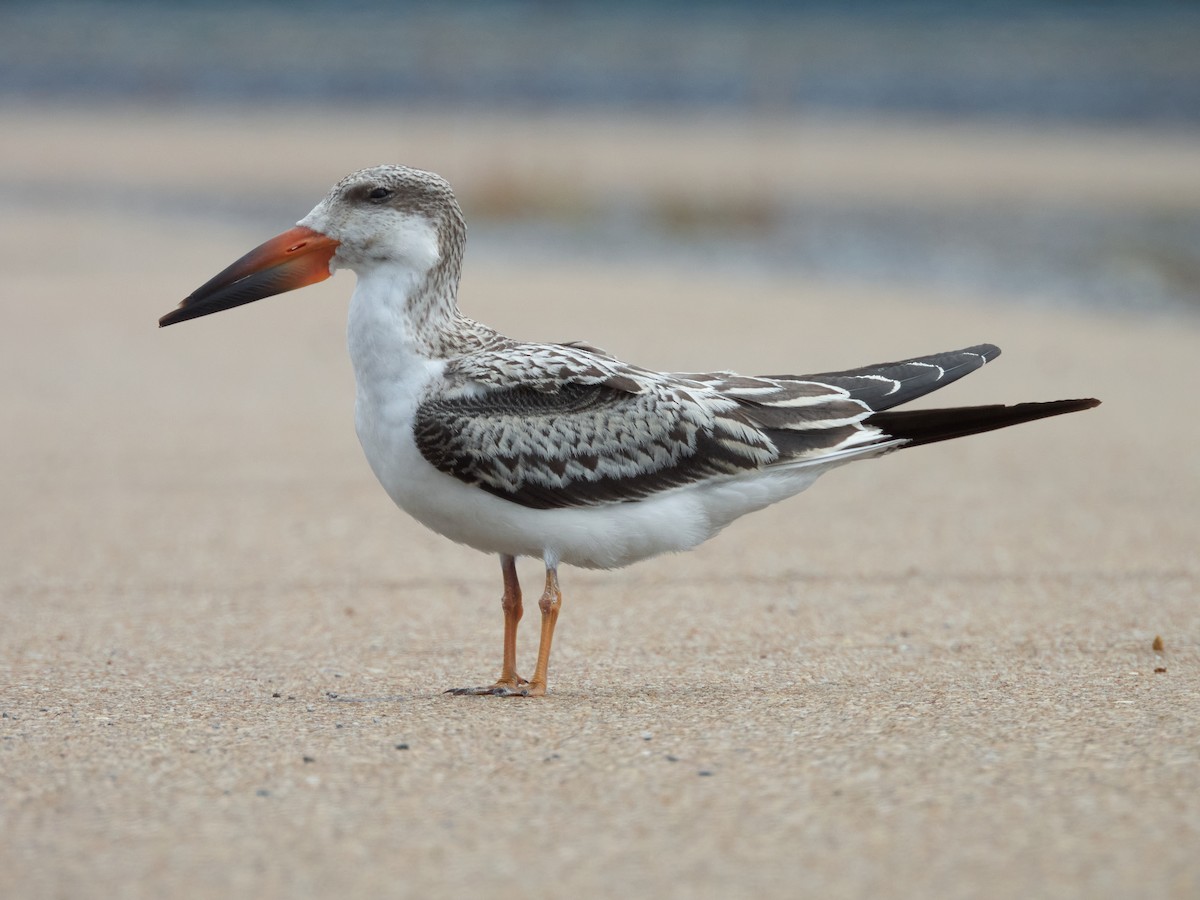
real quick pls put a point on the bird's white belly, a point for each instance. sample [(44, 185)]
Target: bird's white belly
[(604, 536)]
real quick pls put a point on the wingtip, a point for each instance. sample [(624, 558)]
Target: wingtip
[(181, 313), (987, 351), (927, 426), (1066, 406)]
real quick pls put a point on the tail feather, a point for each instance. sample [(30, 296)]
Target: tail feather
[(927, 426)]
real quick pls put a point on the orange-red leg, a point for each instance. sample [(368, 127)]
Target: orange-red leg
[(509, 682), (549, 605), (511, 604)]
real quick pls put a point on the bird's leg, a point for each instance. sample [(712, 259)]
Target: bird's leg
[(511, 604), (509, 682), (549, 605)]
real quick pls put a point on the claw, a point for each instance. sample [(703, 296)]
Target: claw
[(495, 690), (509, 692)]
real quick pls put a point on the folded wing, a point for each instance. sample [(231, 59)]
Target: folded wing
[(564, 426)]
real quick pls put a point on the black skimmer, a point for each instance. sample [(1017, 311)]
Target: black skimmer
[(561, 451)]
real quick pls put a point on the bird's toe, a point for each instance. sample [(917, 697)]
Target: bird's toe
[(515, 687)]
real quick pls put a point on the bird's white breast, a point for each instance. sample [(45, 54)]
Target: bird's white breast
[(392, 380)]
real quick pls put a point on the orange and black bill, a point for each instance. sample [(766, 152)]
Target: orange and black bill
[(294, 259)]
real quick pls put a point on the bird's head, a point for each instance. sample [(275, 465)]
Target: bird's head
[(386, 215)]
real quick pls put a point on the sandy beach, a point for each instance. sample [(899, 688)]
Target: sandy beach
[(223, 650)]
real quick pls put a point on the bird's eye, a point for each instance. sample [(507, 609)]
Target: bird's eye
[(379, 193)]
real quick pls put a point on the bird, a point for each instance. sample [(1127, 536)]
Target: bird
[(561, 451)]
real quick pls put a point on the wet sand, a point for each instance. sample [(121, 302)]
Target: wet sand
[(222, 650)]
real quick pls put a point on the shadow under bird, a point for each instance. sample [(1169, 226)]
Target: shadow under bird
[(561, 451)]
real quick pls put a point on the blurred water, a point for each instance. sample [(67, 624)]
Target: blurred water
[(1132, 262), (1128, 62), (1124, 64)]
